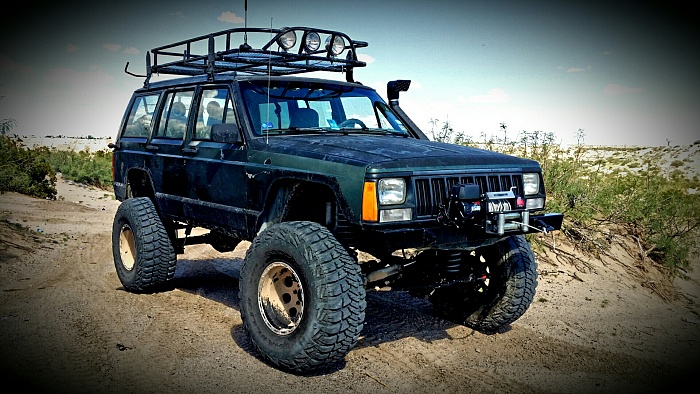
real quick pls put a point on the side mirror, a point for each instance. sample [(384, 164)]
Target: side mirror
[(226, 133)]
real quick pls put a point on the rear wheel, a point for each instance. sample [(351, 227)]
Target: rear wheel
[(302, 296), (143, 253), (504, 280)]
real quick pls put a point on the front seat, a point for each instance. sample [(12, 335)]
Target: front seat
[(304, 117)]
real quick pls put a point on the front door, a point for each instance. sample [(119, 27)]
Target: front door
[(215, 169)]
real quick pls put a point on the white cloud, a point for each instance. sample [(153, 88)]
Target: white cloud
[(365, 58), (131, 51), (230, 17), (613, 89), (578, 69), (111, 47), (494, 96)]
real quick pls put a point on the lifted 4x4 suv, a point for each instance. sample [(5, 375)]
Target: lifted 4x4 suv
[(311, 171)]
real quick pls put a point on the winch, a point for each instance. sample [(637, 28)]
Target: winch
[(495, 212)]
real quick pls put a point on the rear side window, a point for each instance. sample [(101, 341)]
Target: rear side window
[(140, 116), (173, 120)]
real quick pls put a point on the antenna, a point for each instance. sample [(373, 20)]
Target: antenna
[(245, 46), (269, 69)]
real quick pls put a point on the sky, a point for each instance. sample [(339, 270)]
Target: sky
[(620, 72)]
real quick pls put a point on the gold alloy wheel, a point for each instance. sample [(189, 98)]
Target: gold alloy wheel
[(127, 247), (281, 298)]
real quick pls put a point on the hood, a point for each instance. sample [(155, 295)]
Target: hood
[(390, 153)]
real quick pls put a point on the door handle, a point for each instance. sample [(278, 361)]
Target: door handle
[(190, 149)]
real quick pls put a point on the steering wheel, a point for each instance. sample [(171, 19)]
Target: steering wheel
[(351, 122)]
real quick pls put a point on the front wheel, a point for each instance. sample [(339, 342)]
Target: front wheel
[(504, 283), (302, 296)]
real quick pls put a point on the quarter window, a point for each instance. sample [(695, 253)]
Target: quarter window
[(141, 116)]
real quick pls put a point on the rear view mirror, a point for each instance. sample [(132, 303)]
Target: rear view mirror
[(226, 132)]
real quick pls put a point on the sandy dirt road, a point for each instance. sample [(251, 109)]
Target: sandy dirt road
[(66, 325)]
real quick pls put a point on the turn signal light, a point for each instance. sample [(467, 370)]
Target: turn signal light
[(370, 211)]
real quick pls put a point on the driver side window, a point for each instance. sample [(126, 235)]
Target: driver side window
[(214, 107)]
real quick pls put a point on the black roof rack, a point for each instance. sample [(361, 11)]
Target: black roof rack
[(218, 52)]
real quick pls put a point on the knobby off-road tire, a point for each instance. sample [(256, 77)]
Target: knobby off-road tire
[(143, 253), (302, 297), (504, 297)]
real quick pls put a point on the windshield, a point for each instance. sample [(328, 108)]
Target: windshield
[(294, 107)]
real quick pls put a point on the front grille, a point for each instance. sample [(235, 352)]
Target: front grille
[(432, 191)]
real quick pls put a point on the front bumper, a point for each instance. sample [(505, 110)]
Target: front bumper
[(547, 222), (431, 234)]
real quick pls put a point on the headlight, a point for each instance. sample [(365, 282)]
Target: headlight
[(287, 40), (391, 191), (531, 183), (312, 42), (337, 46)]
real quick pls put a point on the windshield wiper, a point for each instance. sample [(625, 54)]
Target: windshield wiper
[(293, 130), (301, 130), (374, 131)]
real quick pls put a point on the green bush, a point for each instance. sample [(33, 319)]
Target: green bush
[(25, 171), (656, 209), (90, 168), (33, 171)]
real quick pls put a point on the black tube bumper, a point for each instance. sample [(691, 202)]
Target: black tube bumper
[(547, 222), (448, 237)]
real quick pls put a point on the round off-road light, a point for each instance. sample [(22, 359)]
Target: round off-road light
[(287, 40), (337, 46), (312, 42)]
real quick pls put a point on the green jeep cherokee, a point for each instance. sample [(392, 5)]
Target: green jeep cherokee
[(311, 171)]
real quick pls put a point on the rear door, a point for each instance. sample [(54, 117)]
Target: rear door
[(168, 164)]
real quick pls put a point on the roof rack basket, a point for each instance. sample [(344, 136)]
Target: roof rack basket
[(279, 54)]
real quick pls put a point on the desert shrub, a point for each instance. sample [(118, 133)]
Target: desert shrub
[(32, 171), (656, 209), (660, 209), (90, 168), (25, 170), (677, 163)]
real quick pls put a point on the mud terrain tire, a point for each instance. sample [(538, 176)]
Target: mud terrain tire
[(302, 297), (512, 281), (143, 253)]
